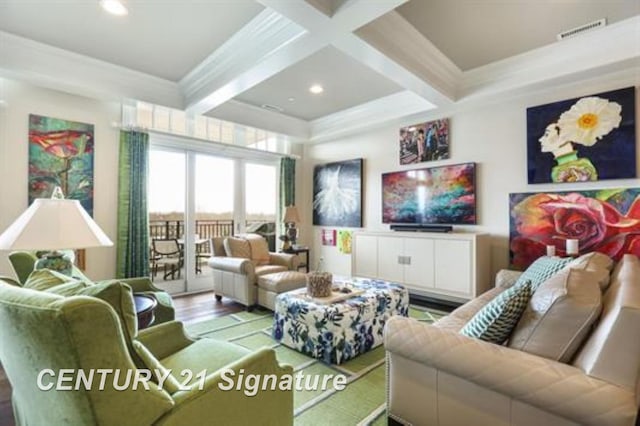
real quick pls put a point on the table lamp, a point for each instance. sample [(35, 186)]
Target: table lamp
[(52, 224), (291, 217)]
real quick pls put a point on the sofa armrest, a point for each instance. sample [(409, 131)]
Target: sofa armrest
[(165, 339), (265, 407), (549, 385), (505, 278), (290, 261), (238, 265)]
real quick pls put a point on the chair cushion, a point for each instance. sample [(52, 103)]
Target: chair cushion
[(542, 269), (282, 281), (170, 384), (204, 354), (596, 262), (237, 247), (269, 269), (68, 289), (495, 321), (613, 349), (44, 279), (259, 249), (218, 246), (559, 315)]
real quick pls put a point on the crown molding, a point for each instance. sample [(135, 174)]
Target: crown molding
[(584, 55), (367, 115), (399, 41), (54, 68), (239, 63)]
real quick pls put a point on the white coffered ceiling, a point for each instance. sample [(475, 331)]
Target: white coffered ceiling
[(346, 82), (378, 60)]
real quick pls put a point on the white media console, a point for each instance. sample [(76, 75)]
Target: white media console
[(450, 266)]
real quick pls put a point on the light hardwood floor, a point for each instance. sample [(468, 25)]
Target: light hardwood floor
[(190, 308)]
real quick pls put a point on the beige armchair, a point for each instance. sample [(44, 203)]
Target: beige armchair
[(238, 261)]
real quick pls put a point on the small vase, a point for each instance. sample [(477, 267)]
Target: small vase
[(55, 261)]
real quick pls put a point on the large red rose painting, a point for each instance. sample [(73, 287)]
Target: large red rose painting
[(607, 221)]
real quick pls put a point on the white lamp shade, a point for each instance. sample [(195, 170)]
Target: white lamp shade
[(50, 224), (291, 215)]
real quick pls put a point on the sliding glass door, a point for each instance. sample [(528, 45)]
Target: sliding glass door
[(261, 201), (196, 196), (167, 190)]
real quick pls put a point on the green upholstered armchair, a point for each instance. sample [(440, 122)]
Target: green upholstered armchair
[(41, 331), (23, 263)]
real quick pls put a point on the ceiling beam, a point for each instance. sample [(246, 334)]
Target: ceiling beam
[(285, 33), (58, 69), (265, 46), (438, 88)]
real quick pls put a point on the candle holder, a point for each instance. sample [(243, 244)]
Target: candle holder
[(572, 247)]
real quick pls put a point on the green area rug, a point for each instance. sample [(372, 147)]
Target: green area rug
[(362, 402)]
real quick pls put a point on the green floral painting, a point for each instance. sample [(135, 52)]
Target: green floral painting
[(61, 154)]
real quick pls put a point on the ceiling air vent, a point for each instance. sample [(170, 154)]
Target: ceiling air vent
[(272, 107), (582, 28)]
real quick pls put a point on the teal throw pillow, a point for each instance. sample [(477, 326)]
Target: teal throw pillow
[(542, 269), (497, 319)]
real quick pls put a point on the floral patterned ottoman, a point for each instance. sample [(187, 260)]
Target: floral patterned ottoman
[(339, 331)]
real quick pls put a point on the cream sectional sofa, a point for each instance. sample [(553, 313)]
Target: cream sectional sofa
[(436, 376)]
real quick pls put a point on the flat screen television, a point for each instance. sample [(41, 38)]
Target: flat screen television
[(435, 195)]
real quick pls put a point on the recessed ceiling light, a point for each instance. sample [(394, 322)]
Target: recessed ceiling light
[(114, 7), (316, 89), (291, 99)]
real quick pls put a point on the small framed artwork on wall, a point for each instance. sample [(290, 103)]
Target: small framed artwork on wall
[(424, 142), (328, 237)]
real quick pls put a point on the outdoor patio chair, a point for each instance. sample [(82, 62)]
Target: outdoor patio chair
[(167, 254)]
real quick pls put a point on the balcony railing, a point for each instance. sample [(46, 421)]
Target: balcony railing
[(166, 229)]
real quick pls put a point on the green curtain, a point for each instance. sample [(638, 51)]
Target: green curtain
[(287, 184), (133, 215)]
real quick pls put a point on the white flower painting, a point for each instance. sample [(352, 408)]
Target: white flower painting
[(583, 139), (337, 194)]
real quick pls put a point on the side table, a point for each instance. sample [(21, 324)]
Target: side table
[(145, 306), (301, 250)]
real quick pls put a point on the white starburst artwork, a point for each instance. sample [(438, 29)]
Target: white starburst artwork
[(337, 194)]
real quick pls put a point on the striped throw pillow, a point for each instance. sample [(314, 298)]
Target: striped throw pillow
[(542, 269), (497, 319)]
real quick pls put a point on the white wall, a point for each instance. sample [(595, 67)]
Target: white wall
[(20, 100), (490, 133)]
